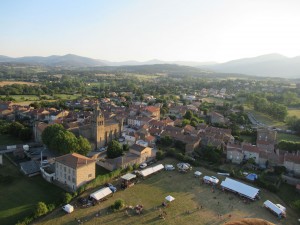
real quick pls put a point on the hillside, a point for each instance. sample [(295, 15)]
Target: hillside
[(271, 65)]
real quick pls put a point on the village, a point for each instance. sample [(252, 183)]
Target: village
[(146, 133)]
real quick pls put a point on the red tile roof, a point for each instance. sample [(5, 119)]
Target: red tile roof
[(74, 160)]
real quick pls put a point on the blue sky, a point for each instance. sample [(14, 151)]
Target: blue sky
[(196, 30)]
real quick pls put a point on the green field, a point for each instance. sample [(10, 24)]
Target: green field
[(22, 98), (265, 119), (67, 97), (288, 137), (9, 140), (189, 196), (294, 112), (18, 199)]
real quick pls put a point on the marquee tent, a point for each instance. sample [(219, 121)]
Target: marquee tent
[(100, 194), (150, 170), (241, 188)]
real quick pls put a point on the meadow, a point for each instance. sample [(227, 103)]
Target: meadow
[(194, 203)]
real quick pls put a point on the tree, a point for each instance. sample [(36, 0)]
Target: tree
[(41, 209), (114, 149), (166, 140), (185, 122), (83, 145), (125, 148), (119, 204), (50, 132), (25, 134), (15, 128), (188, 115)]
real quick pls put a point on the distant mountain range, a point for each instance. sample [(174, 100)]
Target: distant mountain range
[(271, 65)]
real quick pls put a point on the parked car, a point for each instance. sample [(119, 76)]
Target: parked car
[(169, 167), (143, 165), (111, 187)]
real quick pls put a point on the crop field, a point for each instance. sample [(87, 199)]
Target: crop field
[(294, 112), (195, 203)]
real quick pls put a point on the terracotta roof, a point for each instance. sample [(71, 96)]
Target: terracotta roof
[(250, 148), (291, 157), (152, 109), (74, 160)]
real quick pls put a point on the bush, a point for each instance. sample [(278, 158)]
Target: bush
[(160, 155), (51, 207), (296, 204), (67, 198), (25, 221), (119, 204), (41, 209)]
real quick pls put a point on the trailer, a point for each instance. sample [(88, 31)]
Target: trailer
[(277, 209)]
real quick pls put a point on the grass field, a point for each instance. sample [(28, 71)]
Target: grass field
[(288, 137), (265, 119), (19, 198), (9, 140), (67, 97), (189, 195), (3, 83), (294, 112), (22, 98)]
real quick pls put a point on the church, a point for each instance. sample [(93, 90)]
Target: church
[(100, 131)]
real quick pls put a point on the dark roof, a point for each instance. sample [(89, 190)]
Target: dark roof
[(30, 167), (137, 147)]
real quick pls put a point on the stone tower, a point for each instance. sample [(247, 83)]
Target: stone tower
[(98, 127)]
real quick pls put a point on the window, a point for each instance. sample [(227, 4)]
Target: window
[(65, 168), (90, 175), (69, 178), (73, 180)]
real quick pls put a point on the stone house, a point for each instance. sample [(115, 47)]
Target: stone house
[(74, 170)]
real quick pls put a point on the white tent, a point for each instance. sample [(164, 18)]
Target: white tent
[(241, 188), (150, 170), (128, 176), (270, 205), (169, 198), (183, 166), (158, 168), (197, 173), (68, 208), (100, 194)]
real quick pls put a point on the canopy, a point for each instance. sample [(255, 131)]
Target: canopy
[(169, 198), (102, 193), (197, 173), (151, 170), (273, 207), (128, 176), (241, 188)]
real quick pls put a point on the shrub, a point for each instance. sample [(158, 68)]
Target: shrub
[(25, 221), (41, 209), (67, 198), (51, 207), (119, 204), (160, 155)]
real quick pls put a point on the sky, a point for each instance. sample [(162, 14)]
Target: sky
[(119, 30)]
